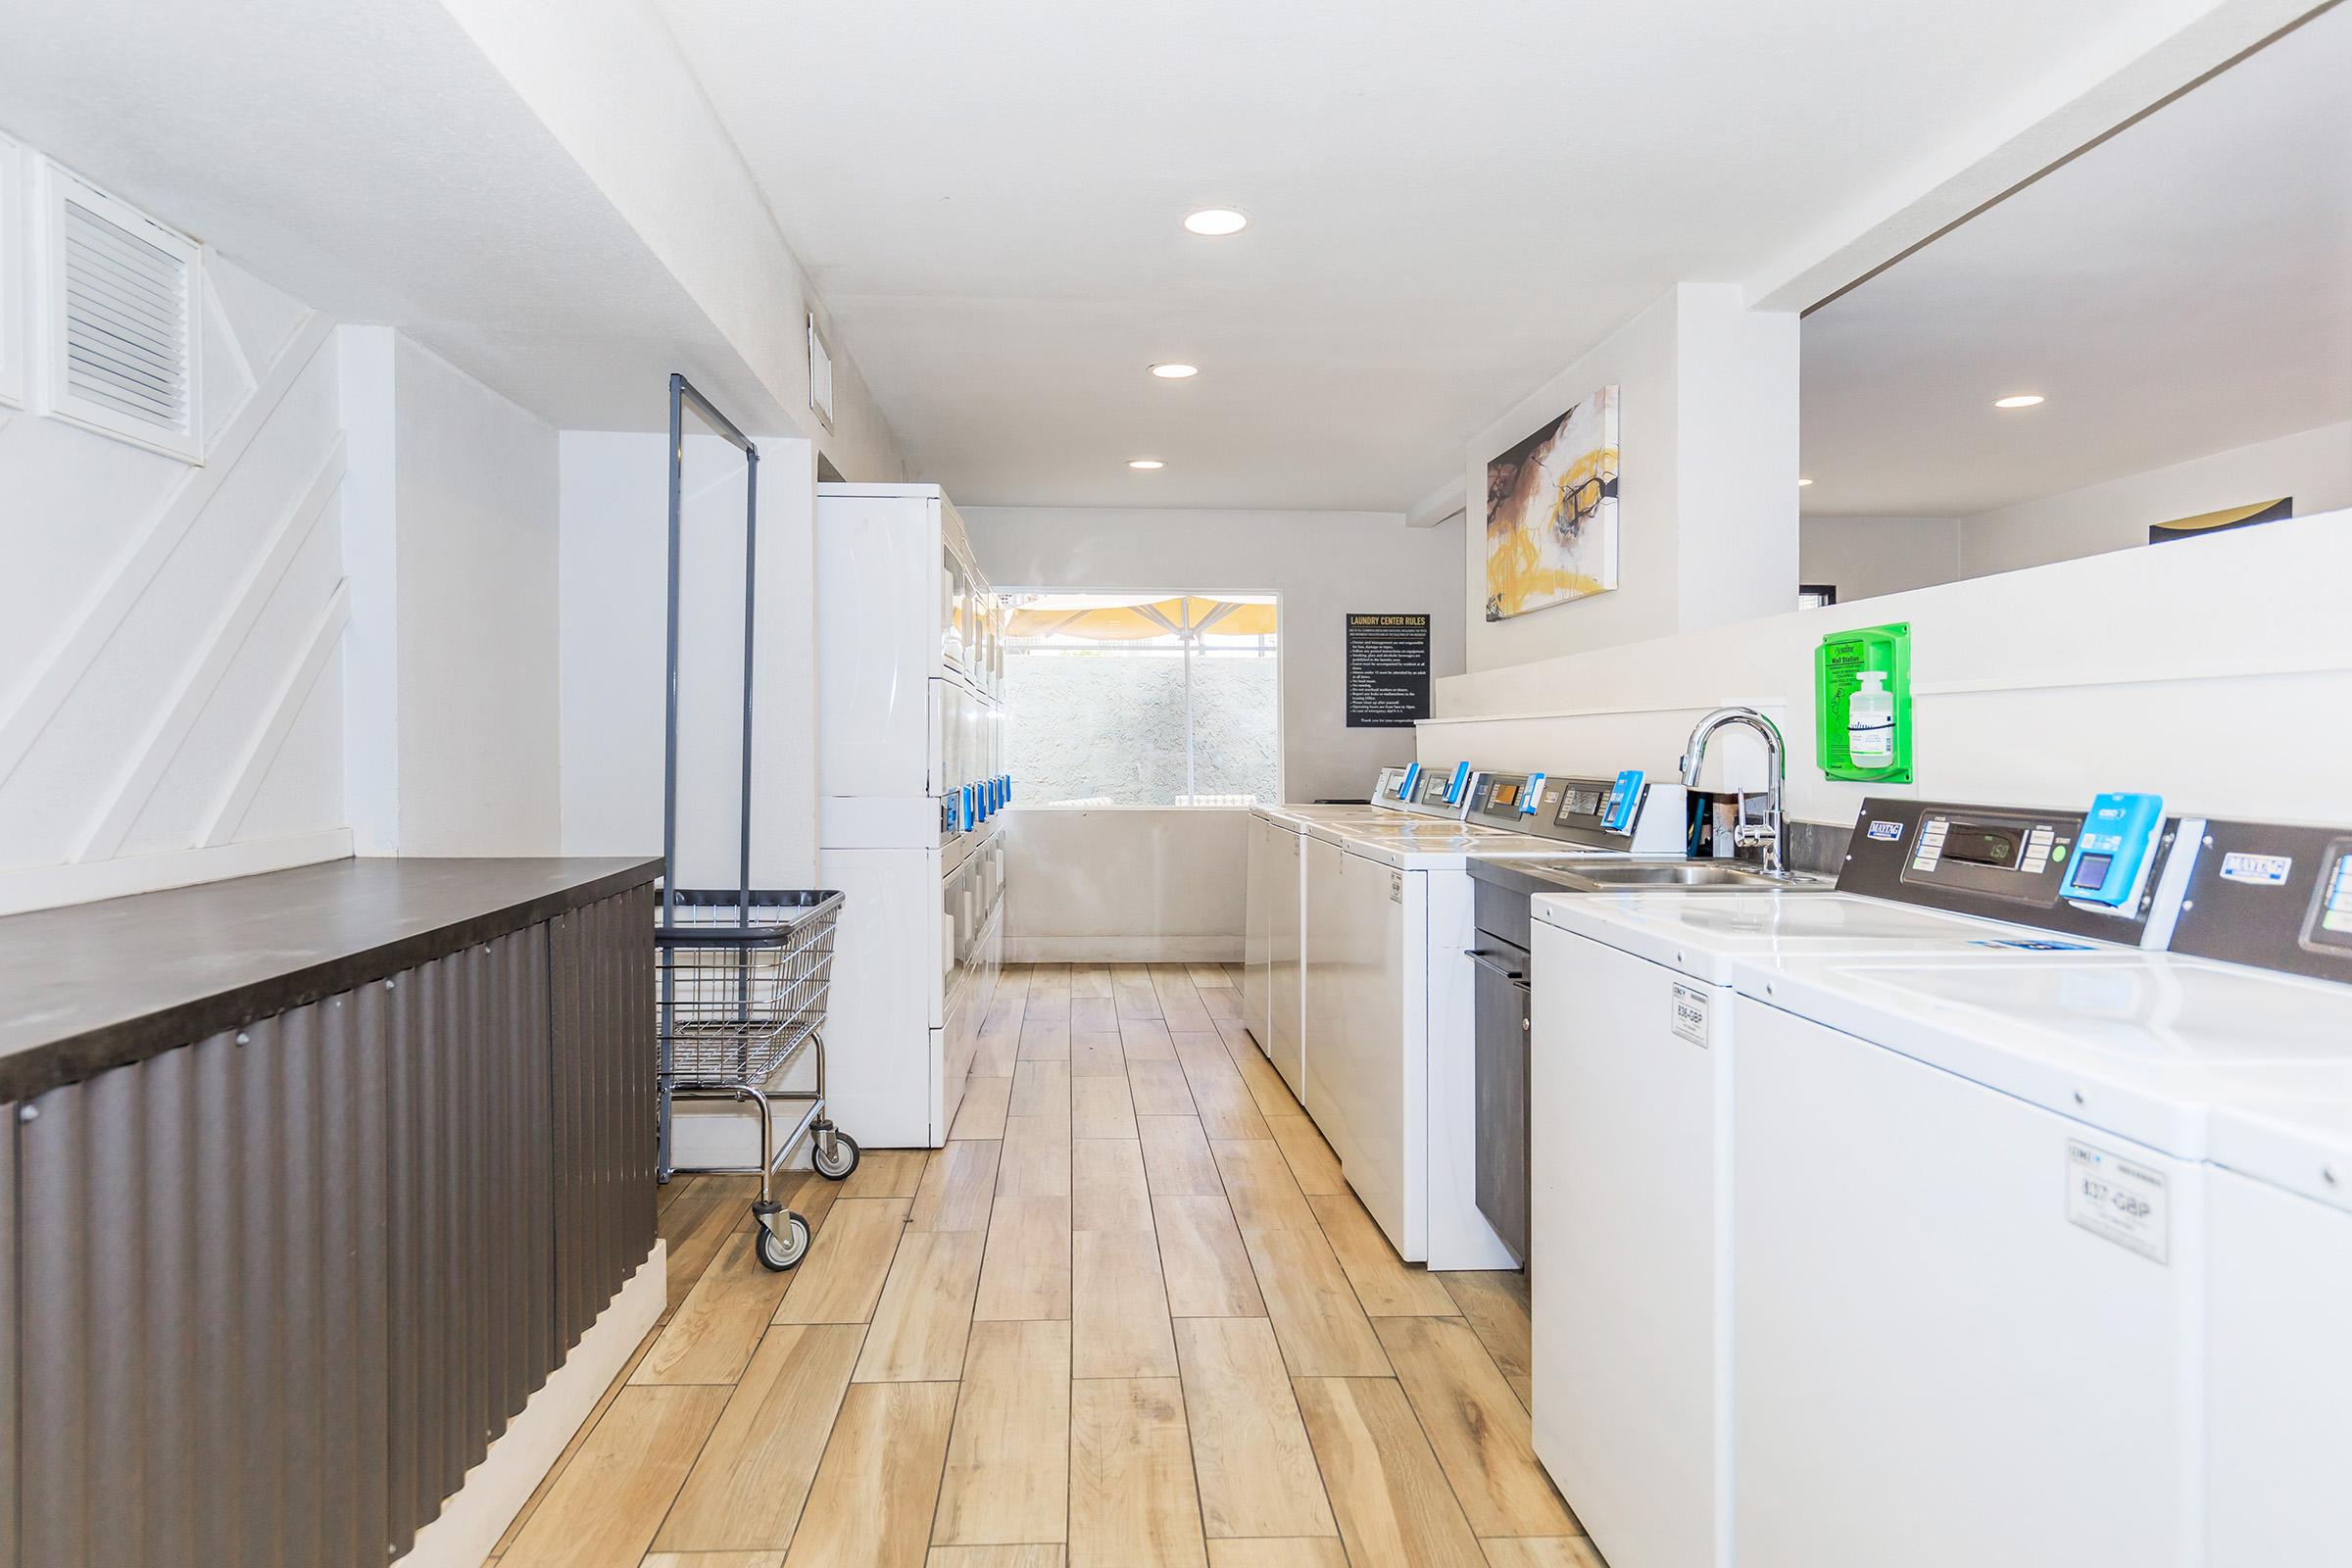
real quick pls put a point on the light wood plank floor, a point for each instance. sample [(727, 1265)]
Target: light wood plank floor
[(1131, 1314)]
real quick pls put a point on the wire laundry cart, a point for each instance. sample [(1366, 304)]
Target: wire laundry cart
[(744, 972)]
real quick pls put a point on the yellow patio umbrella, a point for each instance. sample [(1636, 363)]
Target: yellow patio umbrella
[(1109, 618)]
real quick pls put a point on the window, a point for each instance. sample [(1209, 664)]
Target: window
[(1126, 699)]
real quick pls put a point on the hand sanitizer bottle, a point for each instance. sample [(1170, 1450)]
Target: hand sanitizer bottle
[(1870, 722)]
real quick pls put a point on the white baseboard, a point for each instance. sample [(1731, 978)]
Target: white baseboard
[(1202, 949), (45, 887), (478, 1512)]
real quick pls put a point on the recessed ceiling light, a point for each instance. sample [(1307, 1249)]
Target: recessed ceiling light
[(1175, 373), (1144, 462), (1214, 221), (1801, 483), (2022, 400)]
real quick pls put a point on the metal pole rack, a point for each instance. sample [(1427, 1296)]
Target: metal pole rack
[(745, 972)]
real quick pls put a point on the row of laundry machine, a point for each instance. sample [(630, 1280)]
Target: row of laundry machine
[(1991, 1203), (1360, 962), (1994, 1207)]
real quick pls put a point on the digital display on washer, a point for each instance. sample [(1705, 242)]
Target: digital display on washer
[(1432, 788), (1580, 800), (1505, 793), (1973, 844)]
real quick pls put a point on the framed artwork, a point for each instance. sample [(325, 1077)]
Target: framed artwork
[(2205, 522), (1551, 512)]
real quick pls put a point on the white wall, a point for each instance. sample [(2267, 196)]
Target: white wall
[(451, 681), (1707, 478), (1323, 564), (2314, 466), (477, 502), (170, 636), (1865, 556), (605, 76), (614, 578), (2201, 669), (1126, 884)]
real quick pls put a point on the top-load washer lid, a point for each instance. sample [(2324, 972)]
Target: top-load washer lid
[(1392, 827), (2303, 1145), (1428, 848), (1299, 817), (2143, 1044), (1452, 841), (1415, 852), (1703, 934)]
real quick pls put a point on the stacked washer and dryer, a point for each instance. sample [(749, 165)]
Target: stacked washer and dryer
[(1949, 1218), (911, 778)]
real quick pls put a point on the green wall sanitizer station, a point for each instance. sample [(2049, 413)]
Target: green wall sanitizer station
[(1862, 704)]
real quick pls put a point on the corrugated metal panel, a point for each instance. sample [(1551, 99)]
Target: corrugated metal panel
[(281, 1288), (603, 997), (471, 1225), (8, 1315), (202, 1312)]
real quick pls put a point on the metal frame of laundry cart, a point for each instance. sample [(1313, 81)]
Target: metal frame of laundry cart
[(745, 972)]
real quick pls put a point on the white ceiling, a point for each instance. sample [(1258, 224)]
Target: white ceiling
[(2180, 289), (1451, 203), (367, 158)]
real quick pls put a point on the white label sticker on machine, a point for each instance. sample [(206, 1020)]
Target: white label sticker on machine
[(1690, 1013), (1395, 887), (2118, 1198)]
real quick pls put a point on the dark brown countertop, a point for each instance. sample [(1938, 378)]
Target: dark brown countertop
[(93, 986)]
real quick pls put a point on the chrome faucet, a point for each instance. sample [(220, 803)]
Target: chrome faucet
[(1767, 834)]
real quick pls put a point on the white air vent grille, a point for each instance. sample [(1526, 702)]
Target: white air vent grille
[(120, 297), (126, 321)]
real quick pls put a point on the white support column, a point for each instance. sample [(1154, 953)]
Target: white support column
[(371, 566)]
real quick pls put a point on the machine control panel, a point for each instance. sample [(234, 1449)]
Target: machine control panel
[(2267, 894), (2277, 895), (1439, 791), (1650, 820), (2019, 856), (2008, 863), (1390, 788), (1584, 803)]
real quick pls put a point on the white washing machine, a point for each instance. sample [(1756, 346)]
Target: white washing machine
[(1986, 1283), (1632, 1088), (1273, 1006), (1391, 1060), (2278, 1354)]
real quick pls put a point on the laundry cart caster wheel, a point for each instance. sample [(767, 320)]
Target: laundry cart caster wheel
[(782, 1248), (842, 1162)]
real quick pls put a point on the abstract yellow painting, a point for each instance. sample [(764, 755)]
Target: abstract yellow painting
[(1551, 512)]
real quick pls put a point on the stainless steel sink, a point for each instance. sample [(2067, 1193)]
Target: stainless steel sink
[(1683, 875)]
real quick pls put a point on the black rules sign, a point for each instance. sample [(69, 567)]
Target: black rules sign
[(1387, 671)]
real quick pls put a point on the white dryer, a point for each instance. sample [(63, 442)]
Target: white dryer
[(1981, 1251)]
